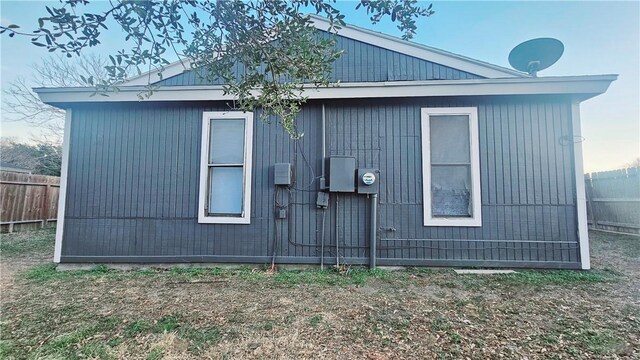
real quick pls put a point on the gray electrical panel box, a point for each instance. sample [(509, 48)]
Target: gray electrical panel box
[(282, 174), (342, 173), (322, 201), (368, 180)]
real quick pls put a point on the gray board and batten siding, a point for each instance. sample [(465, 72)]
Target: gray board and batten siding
[(133, 177), (359, 62)]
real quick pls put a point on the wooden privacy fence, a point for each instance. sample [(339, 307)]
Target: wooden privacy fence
[(27, 200), (613, 200)]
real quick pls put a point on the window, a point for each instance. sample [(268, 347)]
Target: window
[(225, 168), (451, 167)]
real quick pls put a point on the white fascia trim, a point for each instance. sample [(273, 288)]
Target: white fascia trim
[(588, 85), (476, 200), (418, 50), (203, 218), (175, 68), (62, 195), (581, 197)]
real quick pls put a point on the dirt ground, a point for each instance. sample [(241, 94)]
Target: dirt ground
[(354, 314)]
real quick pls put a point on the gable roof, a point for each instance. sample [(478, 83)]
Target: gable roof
[(419, 51), (494, 80), (378, 39), (359, 62)]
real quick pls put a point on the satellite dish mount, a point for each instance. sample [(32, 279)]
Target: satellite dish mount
[(533, 67)]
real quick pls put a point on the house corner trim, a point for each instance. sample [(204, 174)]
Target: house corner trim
[(62, 197), (581, 198)]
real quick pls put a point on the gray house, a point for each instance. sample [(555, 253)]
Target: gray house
[(420, 157)]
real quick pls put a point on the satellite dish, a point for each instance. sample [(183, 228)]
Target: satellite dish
[(534, 55)]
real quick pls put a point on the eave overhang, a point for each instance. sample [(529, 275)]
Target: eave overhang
[(579, 87)]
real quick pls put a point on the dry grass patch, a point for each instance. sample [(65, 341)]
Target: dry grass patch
[(249, 313)]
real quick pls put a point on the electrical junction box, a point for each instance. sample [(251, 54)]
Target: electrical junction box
[(322, 202), (282, 174), (342, 173), (368, 181)]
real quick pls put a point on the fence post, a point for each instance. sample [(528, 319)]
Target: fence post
[(589, 193), (45, 205)]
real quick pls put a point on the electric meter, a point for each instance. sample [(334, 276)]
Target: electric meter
[(369, 178)]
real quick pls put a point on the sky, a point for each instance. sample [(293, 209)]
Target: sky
[(599, 38)]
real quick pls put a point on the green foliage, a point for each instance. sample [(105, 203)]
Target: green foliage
[(169, 323), (440, 324), (198, 338), (455, 337), (43, 272), (155, 354), (420, 271), (201, 338), (95, 350), (273, 40), (195, 272), (267, 325), (599, 341), (49, 159), (66, 343), (315, 320), (137, 327), (48, 272), (41, 158), (5, 349), (354, 276)]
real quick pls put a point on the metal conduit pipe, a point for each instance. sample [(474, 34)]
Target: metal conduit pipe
[(323, 141), (337, 248), (373, 231), (323, 182)]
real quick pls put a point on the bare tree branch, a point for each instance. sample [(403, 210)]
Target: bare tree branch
[(21, 104)]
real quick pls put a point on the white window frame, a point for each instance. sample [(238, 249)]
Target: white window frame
[(476, 218), (203, 216)]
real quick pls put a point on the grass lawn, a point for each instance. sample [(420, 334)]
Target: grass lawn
[(354, 314)]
